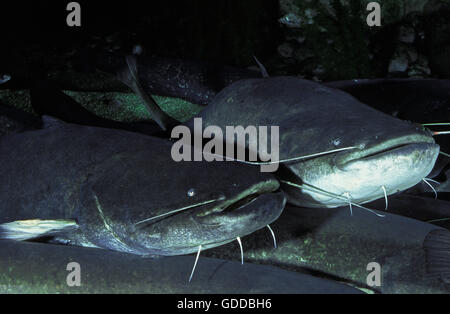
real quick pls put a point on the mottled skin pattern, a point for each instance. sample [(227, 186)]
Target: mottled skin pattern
[(41, 268), (108, 180), (197, 82), (314, 118), (333, 243)]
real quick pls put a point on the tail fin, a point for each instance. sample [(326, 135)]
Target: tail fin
[(129, 76), (262, 68), (21, 230), (437, 250)]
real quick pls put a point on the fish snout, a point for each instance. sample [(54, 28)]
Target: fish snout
[(247, 214), (408, 156), (185, 232), (236, 197), (390, 148), (393, 170)]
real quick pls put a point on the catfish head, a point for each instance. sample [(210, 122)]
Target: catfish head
[(146, 203)]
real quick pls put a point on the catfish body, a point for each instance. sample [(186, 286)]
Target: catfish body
[(41, 268), (106, 181), (423, 208), (383, 155), (418, 100), (412, 255), (194, 81)]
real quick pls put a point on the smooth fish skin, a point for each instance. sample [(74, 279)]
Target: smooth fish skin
[(333, 243), (42, 268), (387, 155), (101, 187)]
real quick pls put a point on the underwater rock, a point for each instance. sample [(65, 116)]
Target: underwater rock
[(393, 10), (300, 39), (407, 59), (406, 34), (285, 50), (399, 63), (437, 28), (291, 20), (420, 68), (413, 55), (402, 23)]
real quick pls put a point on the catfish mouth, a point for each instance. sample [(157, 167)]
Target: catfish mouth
[(220, 206), (241, 201), (247, 200), (243, 216), (223, 221), (390, 146)]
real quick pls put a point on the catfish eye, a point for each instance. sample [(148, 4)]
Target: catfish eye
[(336, 141), (191, 192)]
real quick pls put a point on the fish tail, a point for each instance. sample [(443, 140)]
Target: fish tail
[(22, 230), (437, 251), (129, 76), (262, 68)]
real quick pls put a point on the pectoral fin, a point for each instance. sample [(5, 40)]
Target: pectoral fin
[(21, 230)]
